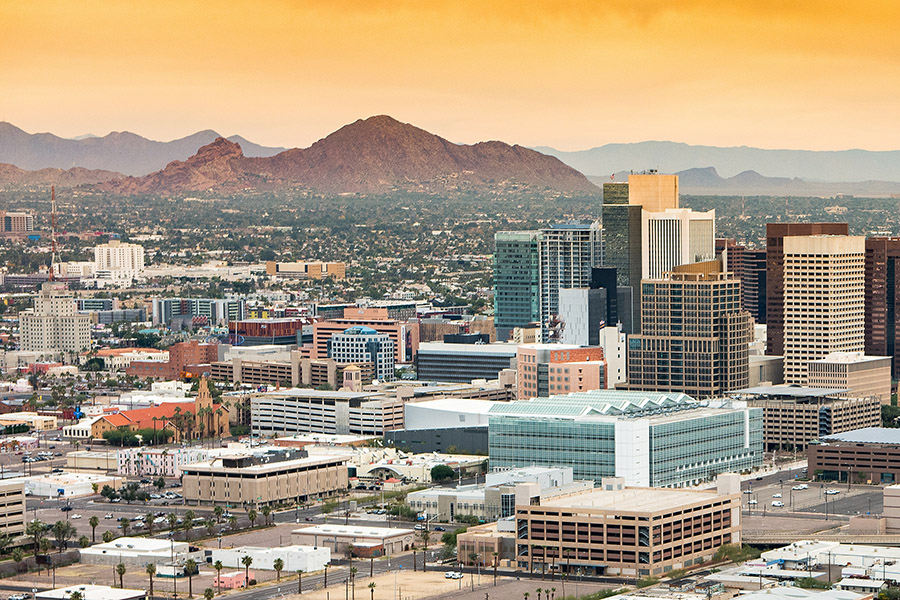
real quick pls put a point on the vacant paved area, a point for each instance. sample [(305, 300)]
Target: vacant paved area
[(758, 523)]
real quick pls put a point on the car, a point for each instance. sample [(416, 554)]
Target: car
[(752, 502), (18, 597), (457, 575), (448, 575), (174, 485), (778, 504), (748, 491), (801, 486), (159, 520), (58, 454), (145, 480), (66, 508), (116, 500), (138, 518), (832, 492), (76, 516), (439, 528), (108, 516), (776, 495), (155, 496), (419, 526), (52, 447)]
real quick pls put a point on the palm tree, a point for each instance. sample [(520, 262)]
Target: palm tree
[(300, 581), (190, 569), (84, 542), (172, 518), (425, 536), (473, 557), (218, 511), (208, 593), (210, 526), (62, 531), (35, 530), (108, 536), (189, 517), (218, 566), (232, 521), (18, 556), (278, 565), (539, 591), (246, 561), (120, 570), (76, 595), (527, 595), (266, 511), (353, 572), (148, 522), (125, 523), (251, 514), (151, 571), (372, 591), (496, 556), (94, 522), (552, 593)]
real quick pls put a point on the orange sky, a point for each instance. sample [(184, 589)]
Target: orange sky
[(816, 74)]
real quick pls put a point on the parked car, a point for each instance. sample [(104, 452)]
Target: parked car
[(66, 508), (439, 528), (18, 597), (752, 502), (776, 495), (778, 504), (76, 516), (832, 492), (108, 516), (420, 526)]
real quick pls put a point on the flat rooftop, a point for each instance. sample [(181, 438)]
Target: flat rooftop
[(92, 592), (498, 348), (633, 499), (325, 438), (866, 435), (850, 358), (791, 391), (351, 531)]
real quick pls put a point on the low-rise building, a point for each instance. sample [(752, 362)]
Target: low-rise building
[(869, 455), (95, 460), (461, 363), (297, 410), (154, 462), (552, 369), (618, 530), (862, 376), (119, 359), (68, 485), (135, 552), (267, 477), (91, 592), (366, 541), (12, 507), (295, 558), (35, 421)]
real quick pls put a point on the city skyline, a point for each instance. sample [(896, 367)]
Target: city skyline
[(573, 76)]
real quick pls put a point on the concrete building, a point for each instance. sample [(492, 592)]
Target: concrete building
[(91, 460), (192, 312), (694, 335), (53, 325), (652, 191), (119, 256), (67, 485), (181, 355), (405, 335), (308, 559), (156, 462), (766, 370), (16, 222), (472, 439), (306, 270), (91, 592), (882, 298), (360, 344), (623, 249), (795, 416), (862, 376), (461, 363), (12, 507), (676, 237), (868, 455), (33, 420), (608, 433), (824, 300), (447, 412), (366, 541), (628, 531), (776, 234), (270, 477), (545, 369), (297, 410), (119, 359), (517, 281), (135, 552), (267, 332)]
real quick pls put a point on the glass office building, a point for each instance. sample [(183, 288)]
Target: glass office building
[(648, 438), (517, 283)]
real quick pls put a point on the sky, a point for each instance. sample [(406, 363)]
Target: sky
[(810, 74)]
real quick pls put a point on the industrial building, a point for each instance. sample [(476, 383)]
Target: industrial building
[(366, 541), (294, 558)]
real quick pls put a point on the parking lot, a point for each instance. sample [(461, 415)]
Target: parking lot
[(827, 498)]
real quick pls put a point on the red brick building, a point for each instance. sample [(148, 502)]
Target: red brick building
[(181, 355)]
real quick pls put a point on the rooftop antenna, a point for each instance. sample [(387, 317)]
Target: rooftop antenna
[(54, 251)]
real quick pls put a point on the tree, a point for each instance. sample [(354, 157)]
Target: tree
[(218, 566), (18, 555), (172, 519), (353, 572), (473, 558), (125, 524), (278, 565), (539, 591), (208, 593), (251, 514), (160, 483), (266, 511), (35, 530), (246, 561), (190, 569), (94, 522), (120, 570), (372, 590), (189, 517), (442, 473), (210, 526), (496, 556), (232, 521), (425, 536), (151, 571), (218, 511), (76, 595), (148, 523), (108, 536), (84, 542)]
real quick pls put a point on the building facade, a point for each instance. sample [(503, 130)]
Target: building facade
[(286, 412), (883, 299), (120, 256), (676, 237), (694, 337), (517, 281), (869, 455), (548, 369), (824, 300), (53, 325), (404, 334), (360, 344), (862, 376), (12, 507), (461, 363)]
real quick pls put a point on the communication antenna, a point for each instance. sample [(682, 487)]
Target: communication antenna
[(54, 250)]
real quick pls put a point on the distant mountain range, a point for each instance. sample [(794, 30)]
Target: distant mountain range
[(375, 155), (672, 157), (120, 152)]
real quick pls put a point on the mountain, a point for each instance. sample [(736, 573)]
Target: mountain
[(672, 157), (121, 152), (12, 176), (374, 155), (707, 181)]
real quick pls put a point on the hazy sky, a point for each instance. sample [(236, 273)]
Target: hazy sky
[(815, 74)]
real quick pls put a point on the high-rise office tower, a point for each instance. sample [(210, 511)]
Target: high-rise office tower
[(883, 299), (517, 282), (653, 192), (753, 284), (674, 237), (775, 236), (615, 192), (824, 299), (694, 336), (53, 325), (568, 252)]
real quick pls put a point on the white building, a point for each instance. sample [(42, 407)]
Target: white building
[(82, 429), (446, 412), (296, 558), (153, 462), (53, 325), (91, 592), (676, 236), (119, 256), (376, 541), (67, 485), (360, 344), (824, 300), (134, 551)]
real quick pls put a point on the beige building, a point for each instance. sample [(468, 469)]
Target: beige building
[(618, 530), (652, 191), (53, 325), (863, 376), (270, 477), (366, 541), (304, 270), (35, 421), (127, 259), (824, 300), (12, 506)]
